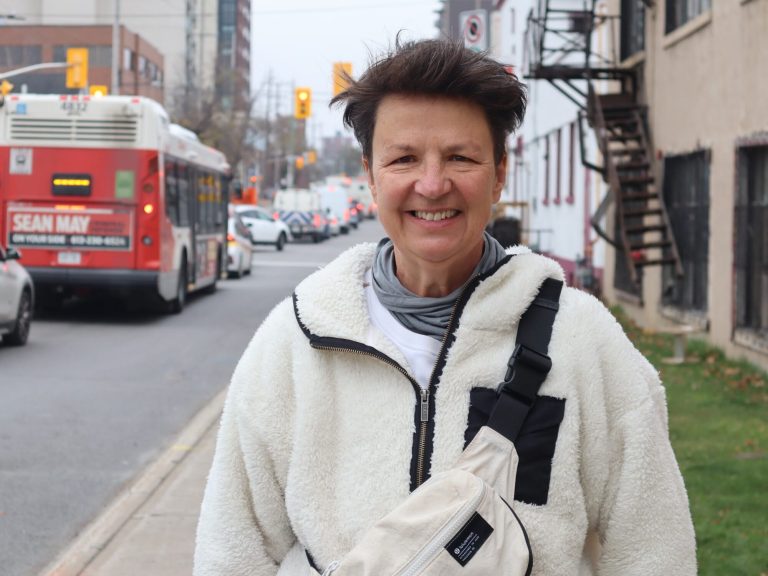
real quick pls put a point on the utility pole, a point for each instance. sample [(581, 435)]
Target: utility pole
[(191, 48), (291, 145), (116, 50), (279, 130), (268, 130)]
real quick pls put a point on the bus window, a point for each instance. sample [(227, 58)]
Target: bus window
[(202, 193), (171, 193), (184, 194), (218, 214)]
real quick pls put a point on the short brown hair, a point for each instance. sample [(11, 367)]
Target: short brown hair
[(436, 68)]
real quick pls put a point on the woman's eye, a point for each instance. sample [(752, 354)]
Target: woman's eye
[(459, 158), (403, 160)]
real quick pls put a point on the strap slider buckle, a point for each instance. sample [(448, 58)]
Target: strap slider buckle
[(530, 358), (526, 369)]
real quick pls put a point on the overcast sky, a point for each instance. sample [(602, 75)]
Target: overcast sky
[(299, 40)]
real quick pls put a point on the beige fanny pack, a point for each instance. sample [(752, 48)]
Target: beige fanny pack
[(458, 522)]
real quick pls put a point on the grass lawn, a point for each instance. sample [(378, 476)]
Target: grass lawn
[(718, 420)]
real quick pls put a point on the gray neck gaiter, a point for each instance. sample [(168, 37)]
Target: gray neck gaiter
[(424, 315)]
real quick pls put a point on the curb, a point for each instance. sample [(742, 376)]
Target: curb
[(94, 538)]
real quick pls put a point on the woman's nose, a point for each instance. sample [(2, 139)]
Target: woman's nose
[(433, 181)]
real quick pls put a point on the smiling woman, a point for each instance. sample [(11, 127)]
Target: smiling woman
[(432, 174), (379, 379)]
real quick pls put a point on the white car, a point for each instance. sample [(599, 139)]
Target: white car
[(239, 247), (17, 298), (264, 227)]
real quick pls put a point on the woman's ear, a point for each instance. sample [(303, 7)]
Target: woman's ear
[(369, 175), (501, 178)]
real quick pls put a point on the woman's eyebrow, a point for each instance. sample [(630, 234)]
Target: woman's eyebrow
[(396, 147)]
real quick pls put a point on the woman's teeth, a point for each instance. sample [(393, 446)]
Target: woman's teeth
[(435, 216)]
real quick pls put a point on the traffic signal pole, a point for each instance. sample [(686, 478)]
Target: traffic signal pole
[(34, 68), (116, 50)]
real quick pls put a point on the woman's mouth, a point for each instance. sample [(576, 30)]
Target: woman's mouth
[(434, 216)]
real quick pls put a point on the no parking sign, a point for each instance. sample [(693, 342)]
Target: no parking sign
[(474, 29)]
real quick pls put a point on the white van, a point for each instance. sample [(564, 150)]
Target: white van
[(302, 211), (334, 201)]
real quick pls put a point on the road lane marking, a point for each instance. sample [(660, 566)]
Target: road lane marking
[(280, 264)]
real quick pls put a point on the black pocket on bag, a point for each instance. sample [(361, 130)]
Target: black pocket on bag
[(535, 445)]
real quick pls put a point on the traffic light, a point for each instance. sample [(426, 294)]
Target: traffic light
[(77, 71), (5, 87), (311, 156), (98, 90), (342, 72), (299, 162), (303, 103)]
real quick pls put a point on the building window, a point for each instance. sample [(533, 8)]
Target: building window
[(227, 12), (547, 169), (558, 164), (752, 240), (571, 163), (681, 11), (99, 56), (632, 27), (18, 56), (127, 59), (686, 196)]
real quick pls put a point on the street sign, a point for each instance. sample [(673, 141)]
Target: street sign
[(474, 29)]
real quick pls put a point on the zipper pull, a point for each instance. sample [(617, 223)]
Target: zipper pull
[(424, 405)]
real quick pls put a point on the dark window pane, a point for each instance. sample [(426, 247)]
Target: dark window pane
[(686, 196)]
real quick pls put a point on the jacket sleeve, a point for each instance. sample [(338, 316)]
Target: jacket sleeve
[(243, 527), (643, 517)]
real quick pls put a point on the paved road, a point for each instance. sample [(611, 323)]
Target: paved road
[(100, 391)]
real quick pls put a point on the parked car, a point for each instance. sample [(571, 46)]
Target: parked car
[(239, 246), (17, 298), (265, 228), (302, 211)]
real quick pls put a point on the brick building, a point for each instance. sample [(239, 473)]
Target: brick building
[(141, 70)]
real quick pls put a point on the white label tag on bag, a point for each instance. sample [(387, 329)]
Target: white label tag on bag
[(469, 539)]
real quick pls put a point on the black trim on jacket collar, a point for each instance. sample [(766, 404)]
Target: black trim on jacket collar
[(343, 344), (437, 372)]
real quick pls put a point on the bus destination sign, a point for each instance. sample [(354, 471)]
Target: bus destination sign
[(68, 227)]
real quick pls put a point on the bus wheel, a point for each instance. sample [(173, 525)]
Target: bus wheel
[(177, 304), (18, 336)]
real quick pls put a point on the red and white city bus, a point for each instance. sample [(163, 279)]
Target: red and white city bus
[(105, 193)]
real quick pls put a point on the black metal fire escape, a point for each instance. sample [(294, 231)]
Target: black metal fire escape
[(560, 46)]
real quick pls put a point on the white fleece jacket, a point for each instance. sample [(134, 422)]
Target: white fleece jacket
[(316, 443)]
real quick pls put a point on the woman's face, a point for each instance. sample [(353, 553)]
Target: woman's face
[(433, 176)]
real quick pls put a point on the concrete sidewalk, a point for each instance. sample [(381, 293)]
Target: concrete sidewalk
[(150, 527)]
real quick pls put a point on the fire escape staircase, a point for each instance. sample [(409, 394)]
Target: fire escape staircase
[(559, 50)]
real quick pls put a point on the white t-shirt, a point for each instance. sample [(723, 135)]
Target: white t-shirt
[(419, 350)]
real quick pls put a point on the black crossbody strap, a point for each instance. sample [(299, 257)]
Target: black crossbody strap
[(529, 364)]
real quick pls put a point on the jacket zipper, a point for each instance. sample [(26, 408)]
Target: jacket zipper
[(423, 396)]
